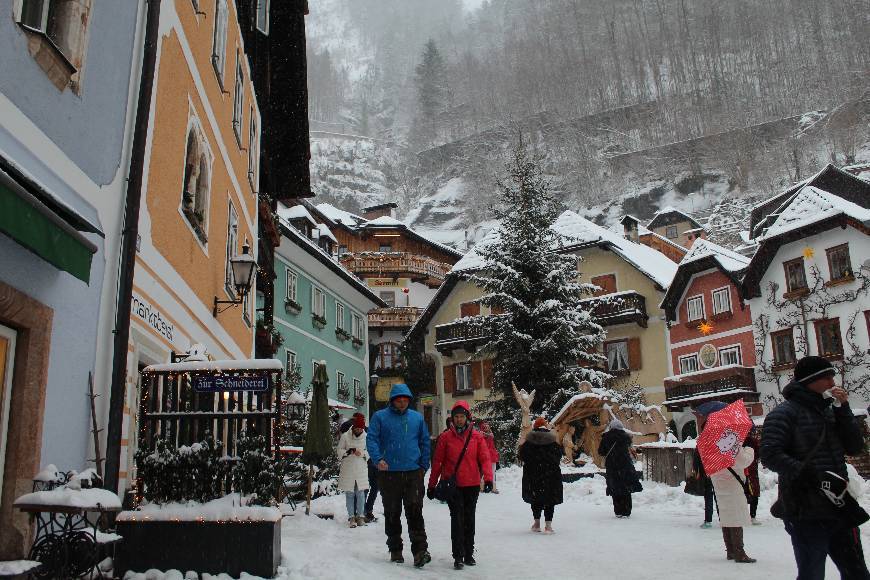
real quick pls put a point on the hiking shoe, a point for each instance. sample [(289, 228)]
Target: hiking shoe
[(706, 525), (369, 518), (548, 528), (755, 522), (360, 521), (470, 561), (536, 526), (457, 564), (351, 522), (421, 559), (397, 557)]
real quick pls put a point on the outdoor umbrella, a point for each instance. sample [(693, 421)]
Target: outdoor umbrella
[(723, 435), (318, 439)]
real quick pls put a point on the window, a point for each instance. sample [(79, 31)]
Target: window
[(263, 16), (463, 377), (388, 356), (607, 283), (721, 300), (232, 245), (617, 355), (389, 297), (688, 364), (695, 307), (253, 151), (292, 279), (795, 275), (342, 250), (239, 100), (246, 308), (318, 302), (219, 44), (357, 389), (196, 182), (339, 316), (385, 248), (339, 379), (357, 329), (783, 347), (63, 25), (730, 356), (828, 338), (839, 263), (671, 232), (291, 361)]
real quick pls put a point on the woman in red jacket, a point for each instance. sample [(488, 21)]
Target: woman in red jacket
[(444, 465)]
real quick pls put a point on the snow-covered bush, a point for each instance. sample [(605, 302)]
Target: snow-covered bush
[(254, 473), (171, 474)]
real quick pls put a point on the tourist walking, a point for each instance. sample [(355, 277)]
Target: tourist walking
[(805, 441), (493, 453), (542, 478), (461, 456), (398, 443), (753, 485), (353, 477), (621, 476)]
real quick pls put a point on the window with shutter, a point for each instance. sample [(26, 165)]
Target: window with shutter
[(463, 377), (449, 378), (469, 309), (476, 375), (616, 353), (634, 360), (488, 373), (607, 283)]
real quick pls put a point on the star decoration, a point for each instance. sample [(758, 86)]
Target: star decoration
[(809, 253), (705, 328)]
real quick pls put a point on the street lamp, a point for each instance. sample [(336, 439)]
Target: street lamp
[(243, 266)]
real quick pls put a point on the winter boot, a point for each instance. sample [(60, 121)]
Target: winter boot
[(396, 556), (421, 559), (458, 564), (470, 561), (360, 521), (536, 526), (351, 522), (370, 517), (548, 528), (740, 555), (729, 545)]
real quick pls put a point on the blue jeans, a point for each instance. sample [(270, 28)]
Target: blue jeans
[(814, 541), (355, 501)]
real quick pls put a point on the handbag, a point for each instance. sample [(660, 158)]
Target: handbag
[(694, 485), (445, 489)]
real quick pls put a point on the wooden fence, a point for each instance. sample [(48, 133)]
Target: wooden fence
[(667, 463)]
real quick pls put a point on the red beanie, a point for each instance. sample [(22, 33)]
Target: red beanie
[(539, 423), (359, 421)]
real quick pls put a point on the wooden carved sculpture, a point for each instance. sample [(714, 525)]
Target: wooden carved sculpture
[(524, 400), (568, 445)]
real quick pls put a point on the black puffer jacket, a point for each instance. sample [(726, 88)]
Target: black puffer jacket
[(542, 477), (790, 433), (621, 475)]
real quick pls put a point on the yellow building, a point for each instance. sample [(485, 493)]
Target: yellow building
[(633, 279), (199, 200)]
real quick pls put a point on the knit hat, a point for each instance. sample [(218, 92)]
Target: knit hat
[(810, 368), (540, 423), (461, 407), (359, 421), (616, 424)]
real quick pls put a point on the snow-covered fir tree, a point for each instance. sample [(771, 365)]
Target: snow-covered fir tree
[(543, 339)]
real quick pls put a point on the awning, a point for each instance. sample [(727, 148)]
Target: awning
[(38, 221)]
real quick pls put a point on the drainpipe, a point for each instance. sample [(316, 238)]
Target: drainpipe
[(129, 237)]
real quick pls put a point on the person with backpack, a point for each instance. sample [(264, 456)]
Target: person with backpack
[(461, 455), (805, 440), (542, 477), (621, 476)]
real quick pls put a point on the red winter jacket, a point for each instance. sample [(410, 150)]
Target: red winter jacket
[(490, 446), (475, 461)]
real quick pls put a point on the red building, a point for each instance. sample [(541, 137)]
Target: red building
[(711, 344)]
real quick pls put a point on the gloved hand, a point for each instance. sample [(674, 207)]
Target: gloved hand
[(497, 465), (430, 493), (833, 486), (487, 487), (808, 479)]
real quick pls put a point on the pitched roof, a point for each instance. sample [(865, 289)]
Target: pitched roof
[(666, 215), (728, 259), (811, 205)]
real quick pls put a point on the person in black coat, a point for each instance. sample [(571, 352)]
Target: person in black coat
[(542, 477), (622, 479), (805, 440)]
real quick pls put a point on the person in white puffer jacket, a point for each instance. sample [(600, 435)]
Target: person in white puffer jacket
[(353, 478)]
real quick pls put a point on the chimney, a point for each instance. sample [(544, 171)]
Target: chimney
[(376, 211), (630, 228)]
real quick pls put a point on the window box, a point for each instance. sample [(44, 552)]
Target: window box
[(829, 339), (319, 321), (357, 343), (463, 392), (343, 392), (694, 324), (292, 307), (342, 334), (840, 281), (796, 294)]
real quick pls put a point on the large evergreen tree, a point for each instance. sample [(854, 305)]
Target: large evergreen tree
[(430, 81), (544, 339)]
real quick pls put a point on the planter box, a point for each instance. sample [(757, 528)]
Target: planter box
[(232, 547)]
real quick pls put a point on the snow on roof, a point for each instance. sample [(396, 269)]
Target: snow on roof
[(710, 395), (253, 364), (472, 260), (578, 230), (730, 261), (594, 394), (294, 213), (217, 510), (339, 215), (809, 206), (672, 209), (325, 232), (385, 220), (92, 498)]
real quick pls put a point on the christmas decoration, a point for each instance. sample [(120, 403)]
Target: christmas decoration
[(809, 253), (705, 327)]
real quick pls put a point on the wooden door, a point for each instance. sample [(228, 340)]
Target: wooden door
[(7, 358)]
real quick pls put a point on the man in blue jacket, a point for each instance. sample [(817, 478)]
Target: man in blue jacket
[(398, 443)]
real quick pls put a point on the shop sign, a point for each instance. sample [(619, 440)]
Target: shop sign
[(221, 383)]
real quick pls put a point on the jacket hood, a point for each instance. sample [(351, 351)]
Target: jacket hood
[(541, 437), (400, 390), (799, 393), (461, 404)]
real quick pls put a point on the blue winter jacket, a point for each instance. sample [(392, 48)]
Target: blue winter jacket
[(400, 439)]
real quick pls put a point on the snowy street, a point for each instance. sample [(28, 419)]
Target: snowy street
[(661, 539)]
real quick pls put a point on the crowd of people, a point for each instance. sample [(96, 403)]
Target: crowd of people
[(806, 441)]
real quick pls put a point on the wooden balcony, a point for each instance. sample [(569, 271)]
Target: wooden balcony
[(618, 308), (396, 264), (458, 335), (397, 317), (726, 384)]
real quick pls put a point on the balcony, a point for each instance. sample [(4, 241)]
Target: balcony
[(396, 264), (398, 317), (618, 308), (727, 384), (458, 335)]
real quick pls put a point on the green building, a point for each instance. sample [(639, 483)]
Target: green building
[(321, 308)]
